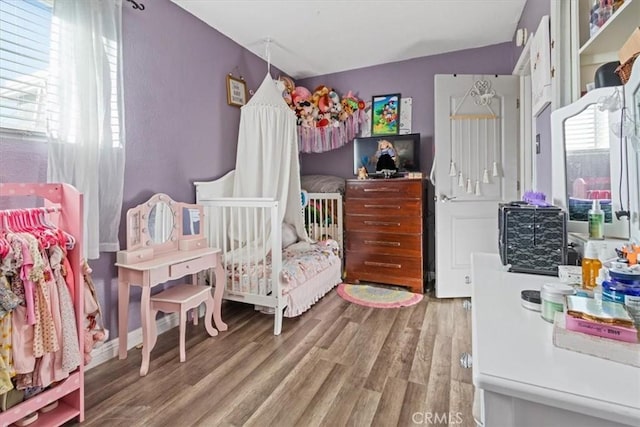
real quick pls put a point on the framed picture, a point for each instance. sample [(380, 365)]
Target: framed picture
[(385, 114), (236, 91)]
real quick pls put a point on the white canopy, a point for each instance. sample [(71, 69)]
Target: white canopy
[(267, 163)]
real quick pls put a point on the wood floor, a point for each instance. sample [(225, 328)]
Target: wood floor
[(337, 364)]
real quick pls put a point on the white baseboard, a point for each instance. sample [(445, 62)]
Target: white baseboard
[(109, 350)]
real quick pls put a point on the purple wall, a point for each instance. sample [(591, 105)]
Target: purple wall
[(412, 78)]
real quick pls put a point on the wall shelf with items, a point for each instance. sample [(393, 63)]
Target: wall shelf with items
[(602, 47)]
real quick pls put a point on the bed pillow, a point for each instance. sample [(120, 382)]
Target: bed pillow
[(289, 235), (322, 183)]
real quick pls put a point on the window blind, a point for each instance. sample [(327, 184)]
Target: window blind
[(25, 29), (588, 130)]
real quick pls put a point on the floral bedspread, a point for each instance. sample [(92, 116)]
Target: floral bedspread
[(301, 261)]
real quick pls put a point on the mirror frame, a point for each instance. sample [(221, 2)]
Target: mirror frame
[(139, 237), (631, 91), (618, 228)]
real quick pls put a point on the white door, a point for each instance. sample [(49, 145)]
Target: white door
[(476, 167)]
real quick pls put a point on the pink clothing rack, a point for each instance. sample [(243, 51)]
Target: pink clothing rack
[(67, 201)]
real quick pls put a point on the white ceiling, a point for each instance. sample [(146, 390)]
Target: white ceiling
[(311, 37)]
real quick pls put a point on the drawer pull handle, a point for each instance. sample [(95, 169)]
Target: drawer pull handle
[(382, 264), (382, 206), (397, 224), (381, 242), (380, 190)]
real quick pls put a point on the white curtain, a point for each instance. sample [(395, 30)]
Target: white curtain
[(267, 163), (86, 117)]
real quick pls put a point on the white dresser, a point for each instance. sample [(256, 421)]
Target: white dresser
[(525, 380)]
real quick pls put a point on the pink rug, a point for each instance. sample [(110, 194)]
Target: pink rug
[(378, 296)]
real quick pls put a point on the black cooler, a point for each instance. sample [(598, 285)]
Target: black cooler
[(533, 239)]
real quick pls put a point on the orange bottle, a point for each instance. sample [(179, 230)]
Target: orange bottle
[(590, 266)]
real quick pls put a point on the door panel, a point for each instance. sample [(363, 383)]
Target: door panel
[(476, 144)]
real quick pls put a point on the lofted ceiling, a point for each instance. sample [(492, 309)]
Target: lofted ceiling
[(311, 38)]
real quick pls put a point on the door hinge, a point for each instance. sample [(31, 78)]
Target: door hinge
[(518, 185), (517, 102)]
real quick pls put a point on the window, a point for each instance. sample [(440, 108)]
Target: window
[(25, 29)]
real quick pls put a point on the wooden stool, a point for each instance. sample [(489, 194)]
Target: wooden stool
[(182, 298)]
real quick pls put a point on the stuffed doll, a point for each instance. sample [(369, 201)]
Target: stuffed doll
[(386, 156), (94, 333)]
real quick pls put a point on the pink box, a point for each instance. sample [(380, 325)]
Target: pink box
[(615, 332)]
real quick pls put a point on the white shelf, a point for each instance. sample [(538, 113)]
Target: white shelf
[(612, 34)]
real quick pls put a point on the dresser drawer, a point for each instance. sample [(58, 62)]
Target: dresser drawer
[(189, 267), (406, 245), (385, 224), (384, 189), (395, 270), (389, 206)]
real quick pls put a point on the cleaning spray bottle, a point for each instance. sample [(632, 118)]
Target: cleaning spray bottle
[(596, 221)]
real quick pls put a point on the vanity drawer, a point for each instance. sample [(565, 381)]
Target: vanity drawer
[(386, 224), (400, 188), (135, 256), (189, 267), (191, 244)]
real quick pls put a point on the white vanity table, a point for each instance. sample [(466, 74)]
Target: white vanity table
[(524, 379), (164, 242)]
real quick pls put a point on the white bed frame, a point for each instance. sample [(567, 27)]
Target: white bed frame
[(248, 217)]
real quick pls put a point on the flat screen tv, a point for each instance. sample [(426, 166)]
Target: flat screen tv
[(406, 149)]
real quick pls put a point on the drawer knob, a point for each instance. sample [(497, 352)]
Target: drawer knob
[(466, 361)]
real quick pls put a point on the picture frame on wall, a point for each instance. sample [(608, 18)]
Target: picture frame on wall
[(385, 114), (236, 91)]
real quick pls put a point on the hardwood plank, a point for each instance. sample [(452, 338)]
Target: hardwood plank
[(345, 400), (357, 313), (460, 411), (413, 405), (289, 399), (364, 348), (400, 366), (365, 409), (333, 332), (446, 319), (439, 375), (417, 316), (390, 404), (319, 405), (390, 351), (336, 350)]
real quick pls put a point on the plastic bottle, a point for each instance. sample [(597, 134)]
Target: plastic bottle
[(590, 266), (596, 221)]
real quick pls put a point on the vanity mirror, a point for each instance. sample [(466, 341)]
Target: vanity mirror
[(589, 161), (162, 225), (632, 98)]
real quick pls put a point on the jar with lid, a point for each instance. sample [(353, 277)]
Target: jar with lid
[(553, 299)]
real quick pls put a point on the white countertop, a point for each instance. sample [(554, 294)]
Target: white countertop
[(513, 352)]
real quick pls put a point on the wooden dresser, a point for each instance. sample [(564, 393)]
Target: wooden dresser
[(384, 232)]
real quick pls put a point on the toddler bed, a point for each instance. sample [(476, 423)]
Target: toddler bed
[(264, 264)]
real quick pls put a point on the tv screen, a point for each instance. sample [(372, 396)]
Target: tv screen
[(405, 147)]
